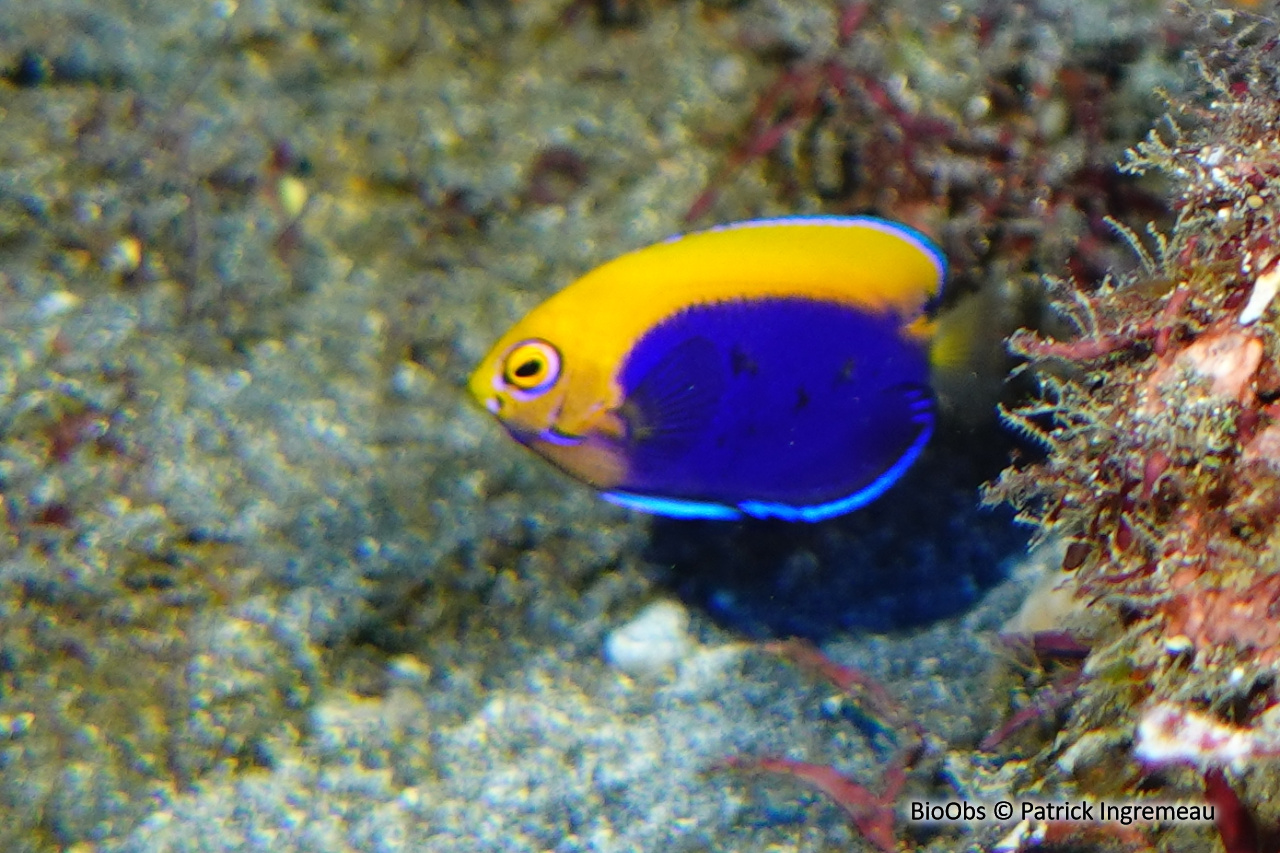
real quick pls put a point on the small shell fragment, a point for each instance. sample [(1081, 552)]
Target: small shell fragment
[(1264, 290), (293, 196)]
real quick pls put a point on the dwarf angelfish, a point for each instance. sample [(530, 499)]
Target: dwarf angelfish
[(776, 368)]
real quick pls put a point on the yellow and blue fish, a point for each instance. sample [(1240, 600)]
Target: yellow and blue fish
[(775, 368)]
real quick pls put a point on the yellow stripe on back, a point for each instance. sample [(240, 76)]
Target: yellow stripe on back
[(869, 263)]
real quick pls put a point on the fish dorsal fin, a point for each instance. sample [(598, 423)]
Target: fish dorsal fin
[(675, 400)]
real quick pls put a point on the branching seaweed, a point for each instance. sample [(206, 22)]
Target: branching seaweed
[(1163, 464)]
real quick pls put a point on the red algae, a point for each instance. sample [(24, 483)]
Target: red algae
[(1161, 473)]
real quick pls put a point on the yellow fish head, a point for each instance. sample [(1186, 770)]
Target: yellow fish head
[(565, 409), (523, 385)]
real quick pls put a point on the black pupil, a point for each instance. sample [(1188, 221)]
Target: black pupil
[(529, 368)]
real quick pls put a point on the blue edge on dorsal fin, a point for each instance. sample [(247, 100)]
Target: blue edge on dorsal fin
[(678, 508), (921, 240)]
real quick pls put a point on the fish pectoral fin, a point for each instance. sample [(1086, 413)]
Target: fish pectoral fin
[(913, 402), (676, 400)]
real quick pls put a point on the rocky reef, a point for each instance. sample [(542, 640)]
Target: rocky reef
[(1161, 422)]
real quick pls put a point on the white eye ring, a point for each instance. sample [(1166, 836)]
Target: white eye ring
[(530, 368)]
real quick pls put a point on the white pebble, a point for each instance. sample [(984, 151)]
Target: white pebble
[(652, 642)]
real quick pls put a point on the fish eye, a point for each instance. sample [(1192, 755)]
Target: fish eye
[(532, 366)]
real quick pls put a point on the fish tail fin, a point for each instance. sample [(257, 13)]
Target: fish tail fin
[(957, 332), (968, 358)]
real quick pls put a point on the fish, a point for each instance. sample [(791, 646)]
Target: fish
[(770, 368)]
